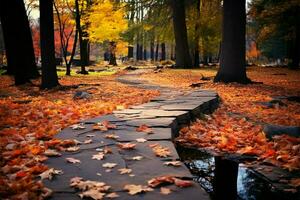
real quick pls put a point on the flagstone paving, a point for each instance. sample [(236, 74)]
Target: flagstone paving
[(164, 114)]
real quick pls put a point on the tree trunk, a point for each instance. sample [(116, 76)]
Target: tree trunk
[(18, 41), (232, 63), (197, 37), (141, 52), (156, 51), (183, 59), (130, 52), (137, 51), (152, 51), (225, 179), (49, 75), (172, 52), (163, 51), (295, 54), (145, 54), (68, 65), (82, 42), (112, 53)]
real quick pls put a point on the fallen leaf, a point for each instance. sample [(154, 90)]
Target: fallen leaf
[(111, 136), (136, 189), (72, 149), (73, 160), (173, 163), (98, 156), (144, 128), (126, 146), (78, 126), (49, 173), (89, 141), (295, 182), (112, 195), (137, 158), (141, 140), (182, 183), (157, 181), (165, 191), (92, 193), (109, 165), (51, 152), (125, 171), (161, 151)]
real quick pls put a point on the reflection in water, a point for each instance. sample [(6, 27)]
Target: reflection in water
[(228, 180)]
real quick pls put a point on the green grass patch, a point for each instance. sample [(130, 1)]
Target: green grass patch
[(102, 73)]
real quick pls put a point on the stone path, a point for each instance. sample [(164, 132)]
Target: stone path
[(165, 114)]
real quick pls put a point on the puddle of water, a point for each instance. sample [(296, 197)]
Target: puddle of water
[(224, 179)]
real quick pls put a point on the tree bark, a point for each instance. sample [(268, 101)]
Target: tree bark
[(197, 37), (82, 42), (152, 51), (295, 54), (49, 75), (112, 53), (232, 63), (156, 51), (130, 52), (183, 58), (163, 51), (18, 41)]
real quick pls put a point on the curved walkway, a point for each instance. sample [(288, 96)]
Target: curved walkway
[(165, 115)]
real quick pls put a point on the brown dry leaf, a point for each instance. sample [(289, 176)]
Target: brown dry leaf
[(126, 146), (137, 158), (51, 152), (109, 165), (112, 195), (92, 193), (107, 150), (73, 160), (125, 171), (161, 151), (165, 191), (99, 127), (136, 189), (73, 149), (295, 182), (78, 126), (49, 173), (141, 140), (182, 183), (111, 136), (144, 128), (173, 163), (157, 181), (89, 141), (98, 156)]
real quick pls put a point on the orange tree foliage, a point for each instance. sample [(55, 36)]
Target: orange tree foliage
[(236, 126), (29, 118)]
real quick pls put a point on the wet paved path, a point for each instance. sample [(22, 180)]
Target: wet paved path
[(164, 114)]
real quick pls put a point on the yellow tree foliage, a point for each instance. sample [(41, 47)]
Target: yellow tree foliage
[(106, 21)]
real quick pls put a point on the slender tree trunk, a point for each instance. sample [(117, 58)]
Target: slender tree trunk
[(197, 37), (82, 42), (137, 51), (141, 52), (152, 51), (49, 75), (18, 41), (295, 58), (156, 51), (233, 64), (172, 52), (112, 53), (183, 58), (68, 64), (163, 51), (145, 53), (130, 52)]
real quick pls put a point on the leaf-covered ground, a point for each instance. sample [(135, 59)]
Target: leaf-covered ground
[(29, 118), (237, 125)]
